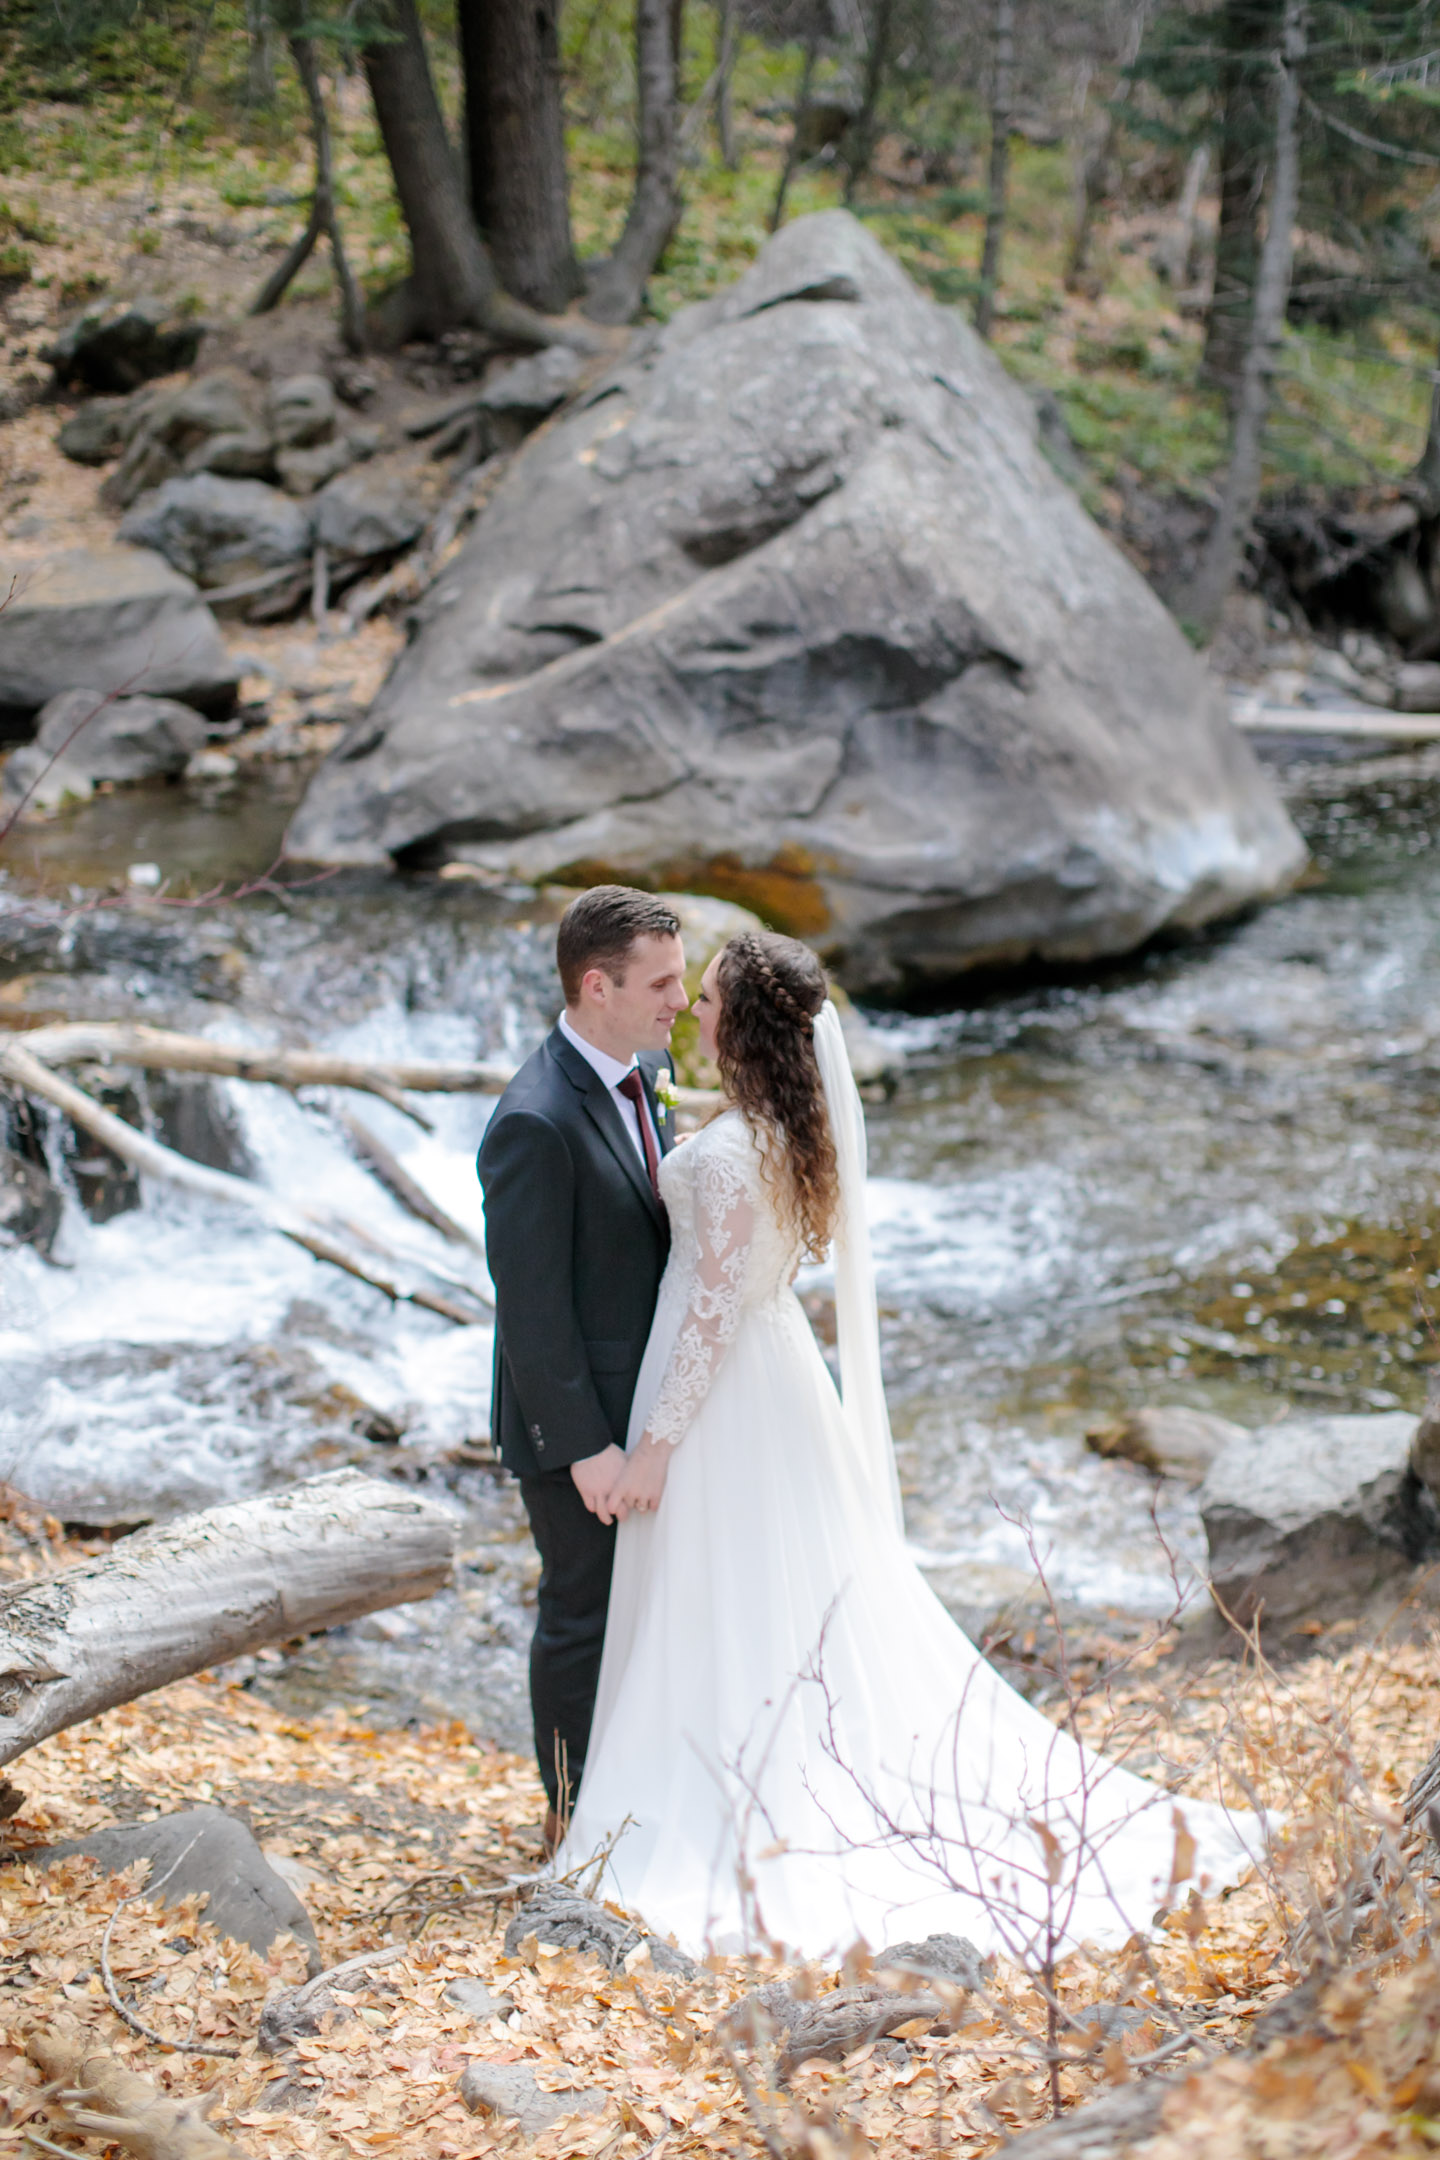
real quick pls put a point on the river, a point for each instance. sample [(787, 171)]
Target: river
[(1204, 1177)]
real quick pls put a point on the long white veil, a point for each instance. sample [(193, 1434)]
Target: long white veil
[(857, 1318)]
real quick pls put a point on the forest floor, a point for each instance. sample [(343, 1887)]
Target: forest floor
[(146, 172), (418, 1836)]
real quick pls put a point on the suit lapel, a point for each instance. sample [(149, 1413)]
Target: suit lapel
[(604, 1114)]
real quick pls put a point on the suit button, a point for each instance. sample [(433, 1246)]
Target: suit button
[(535, 1432)]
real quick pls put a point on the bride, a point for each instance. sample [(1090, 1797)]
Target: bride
[(794, 1744)]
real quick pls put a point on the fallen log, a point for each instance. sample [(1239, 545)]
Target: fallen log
[(398, 1182), (171, 1601), (316, 1234), (102, 2097), (124, 1042), (1105, 2129)]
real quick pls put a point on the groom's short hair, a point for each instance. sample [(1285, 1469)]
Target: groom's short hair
[(599, 929)]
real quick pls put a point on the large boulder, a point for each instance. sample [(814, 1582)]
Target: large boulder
[(1312, 1517), (117, 619), (219, 531), (791, 608), (83, 737)]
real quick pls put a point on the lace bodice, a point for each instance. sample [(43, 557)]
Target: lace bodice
[(729, 1255)]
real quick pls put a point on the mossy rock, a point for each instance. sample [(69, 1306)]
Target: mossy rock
[(707, 924)]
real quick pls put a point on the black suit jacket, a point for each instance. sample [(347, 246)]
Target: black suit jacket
[(577, 1243)]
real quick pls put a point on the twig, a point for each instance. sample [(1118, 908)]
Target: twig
[(365, 1961), (34, 2137), (112, 1992)]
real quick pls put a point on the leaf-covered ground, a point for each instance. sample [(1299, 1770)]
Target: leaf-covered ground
[(418, 1836)]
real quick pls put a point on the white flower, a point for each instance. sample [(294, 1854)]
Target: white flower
[(666, 1092)]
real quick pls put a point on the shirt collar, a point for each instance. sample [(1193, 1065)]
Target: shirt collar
[(610, 1069)]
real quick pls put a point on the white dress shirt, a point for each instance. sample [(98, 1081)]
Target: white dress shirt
[(612, 1072)]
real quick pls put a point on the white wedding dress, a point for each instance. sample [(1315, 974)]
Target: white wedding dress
[(794, 1744)]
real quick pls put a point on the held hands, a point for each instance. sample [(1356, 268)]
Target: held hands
[(641, 1482), (594, 1478)]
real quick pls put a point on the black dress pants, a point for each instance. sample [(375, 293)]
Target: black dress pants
[(577, 1553)]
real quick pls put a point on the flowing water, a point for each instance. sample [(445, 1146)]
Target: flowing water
[(1206, 1177)]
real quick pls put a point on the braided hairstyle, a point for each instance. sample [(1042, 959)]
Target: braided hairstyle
[(771, 988)]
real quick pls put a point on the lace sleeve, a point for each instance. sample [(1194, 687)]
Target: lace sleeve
[(724, 1226)]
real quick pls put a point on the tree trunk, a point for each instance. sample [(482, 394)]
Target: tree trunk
[(1220, 561), (260, 56), (323, 216), (171, 1601), (862, 132), (452, 280), (1095, 164), (1002, 94), (1250, 32), (515, 144), (1176, 246), (724, 109), (617, 285), (802, 106), (1427, 472)]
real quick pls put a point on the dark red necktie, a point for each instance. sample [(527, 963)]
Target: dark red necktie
[(632, 1087)]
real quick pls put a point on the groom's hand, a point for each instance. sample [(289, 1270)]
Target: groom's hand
[(595, 1477)]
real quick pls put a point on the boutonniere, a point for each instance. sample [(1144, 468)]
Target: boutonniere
[(666, 1093)]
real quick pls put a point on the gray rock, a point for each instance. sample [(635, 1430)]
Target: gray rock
[(302, 411), (207, 1852), (30, 1205), (374, 509), (1406, 603), (554, 1913), (81, 738), (473, 1997), (170, 430), (1311, 1517), (116, 617), (1112, 2020), (1120, 2122), (118, 344), (940, 1957), (248, 454), (791, 607), (1417, 686), (224, 402), (1167, 1439), (510, 2090), (531, 388), (303, 471), (1425, 1446), (94, 434), (147, 463), (219, 531)]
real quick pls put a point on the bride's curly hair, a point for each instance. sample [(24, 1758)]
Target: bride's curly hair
[(771, 988)]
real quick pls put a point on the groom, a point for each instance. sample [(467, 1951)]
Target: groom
[(577, 1239)]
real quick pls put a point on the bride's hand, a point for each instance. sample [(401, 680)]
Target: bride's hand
[(640, 1484)]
